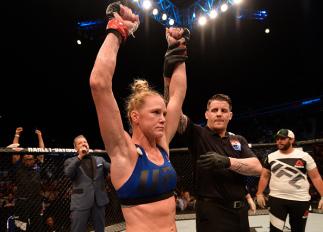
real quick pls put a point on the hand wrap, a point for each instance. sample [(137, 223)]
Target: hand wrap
[(186, 35), (116, 26)]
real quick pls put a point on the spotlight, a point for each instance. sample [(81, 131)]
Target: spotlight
[(171, 22), (202, 20), (237, 2), (155, 11), (164, 16), (146, 4), (224, 7), (213, 14)]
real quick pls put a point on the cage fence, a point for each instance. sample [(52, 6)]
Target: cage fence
[(43, 195)]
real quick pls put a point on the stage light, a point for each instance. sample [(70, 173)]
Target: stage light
[(213, 14), (237, 2), (164, 16), (224, 7), (146, 4), (202, 20), (155, 11), (171, 22), (183, 17)]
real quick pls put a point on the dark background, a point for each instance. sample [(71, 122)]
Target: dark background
[(45, 74)]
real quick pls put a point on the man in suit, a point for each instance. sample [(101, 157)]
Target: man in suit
[(89, 197)]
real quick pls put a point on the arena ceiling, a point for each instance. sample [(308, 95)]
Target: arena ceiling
[(45, 73), (182, 3)]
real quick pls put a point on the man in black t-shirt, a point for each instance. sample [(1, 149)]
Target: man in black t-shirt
[(220, 161)]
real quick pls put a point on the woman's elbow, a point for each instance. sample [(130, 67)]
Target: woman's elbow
[(98, 83), (95, 83)]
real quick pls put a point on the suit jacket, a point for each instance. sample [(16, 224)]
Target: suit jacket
[(86, 191)]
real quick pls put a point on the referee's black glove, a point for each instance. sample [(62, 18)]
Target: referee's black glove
[(174, 56), (213, 160), (176, 52)]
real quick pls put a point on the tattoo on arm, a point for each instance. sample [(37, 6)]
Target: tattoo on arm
[(240, 167), (246, 166)]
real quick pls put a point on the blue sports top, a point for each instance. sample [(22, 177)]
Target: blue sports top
[(148, 182)]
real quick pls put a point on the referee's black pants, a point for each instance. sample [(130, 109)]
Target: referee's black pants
[(216, 216)]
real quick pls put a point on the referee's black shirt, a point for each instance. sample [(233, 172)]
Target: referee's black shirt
[(221, 184)]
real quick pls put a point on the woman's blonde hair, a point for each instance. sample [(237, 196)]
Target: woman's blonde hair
[(140, 90)]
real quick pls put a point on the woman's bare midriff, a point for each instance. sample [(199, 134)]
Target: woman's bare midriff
[(151, 217)]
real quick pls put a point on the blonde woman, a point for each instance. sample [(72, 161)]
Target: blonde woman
[(140, 168)]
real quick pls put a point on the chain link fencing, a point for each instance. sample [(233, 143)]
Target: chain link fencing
[(41, 198)]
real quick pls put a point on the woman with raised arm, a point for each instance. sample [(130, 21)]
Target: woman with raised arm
[(141, 172)]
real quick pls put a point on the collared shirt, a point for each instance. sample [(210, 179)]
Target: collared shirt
[(224, 184)]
